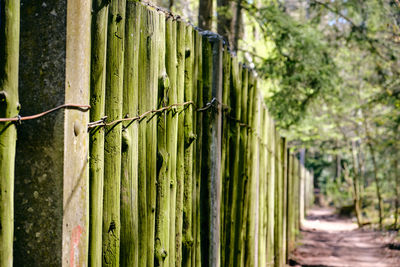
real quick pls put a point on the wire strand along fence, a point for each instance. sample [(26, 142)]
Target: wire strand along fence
[(186, 166)]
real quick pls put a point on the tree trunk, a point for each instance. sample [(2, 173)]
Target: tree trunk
[(237, 25), (397, 191), (356, 185), (205, 14)]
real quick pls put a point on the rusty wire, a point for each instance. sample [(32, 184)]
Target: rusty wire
[(103, 122), (214, 103), (36, 116)]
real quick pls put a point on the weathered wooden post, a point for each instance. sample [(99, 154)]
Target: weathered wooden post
[(271, 193), (251, 258), (189, 137), (263, 211), (239, 251), (278, 200), (211, 172), (198, 97), (97, 112), (129, 162), (151, 94), (113, 133), (162, 199), (9, 107), (172, 128), (232, 225), (180, 160), (76, 137), (225, 159), (284, 160)]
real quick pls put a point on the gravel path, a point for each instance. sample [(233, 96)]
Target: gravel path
[(328, 240)]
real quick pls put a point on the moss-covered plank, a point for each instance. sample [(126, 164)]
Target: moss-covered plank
[(129, 170), (113, 134), (9, 107)]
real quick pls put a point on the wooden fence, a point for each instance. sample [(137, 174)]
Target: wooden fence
[(186, 166)]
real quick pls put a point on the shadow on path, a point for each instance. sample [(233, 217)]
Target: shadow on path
[(328, 240)]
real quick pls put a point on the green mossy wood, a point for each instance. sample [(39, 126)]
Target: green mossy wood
[(172, 129), (162, 202), (151, 94), (97, 112), (9, 107), (113, 134), (189, 137), (129, 169), (197, 157), (180, 161)]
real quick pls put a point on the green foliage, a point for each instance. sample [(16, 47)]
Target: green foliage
[(299, 65)]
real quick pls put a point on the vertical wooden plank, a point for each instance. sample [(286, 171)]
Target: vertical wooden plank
[(251, 248), (295, 196), (189, 137), (172, 128), (262, 245), (113, 135), (211, 165), (302, 192), (271, 194), (162, 198), (247, 171), (9, 107), (97, 112), (76, 138), (129, 168), (180, 161), (225, 159), (278, 200), (198, 91), (146, 29), (151, 93), (290, 210), (284, 162), (239, 250), (233, 226)]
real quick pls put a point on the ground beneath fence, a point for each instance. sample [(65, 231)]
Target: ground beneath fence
[(327, 240)]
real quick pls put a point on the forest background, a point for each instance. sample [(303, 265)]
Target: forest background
[(330, 70)]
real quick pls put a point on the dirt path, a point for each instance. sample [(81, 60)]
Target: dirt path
[(331, 241)]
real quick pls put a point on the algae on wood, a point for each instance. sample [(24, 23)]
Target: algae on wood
[(180, 161), (225, 159), (113, 135), (129, 169), (210, 167), (253, 184), (151, 93), (189, 137), (232, 226), (9, 107), (263, 215), (172, 129), (162, 199), (198, 97), (271, 193), (96, 156), (241, 198)]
